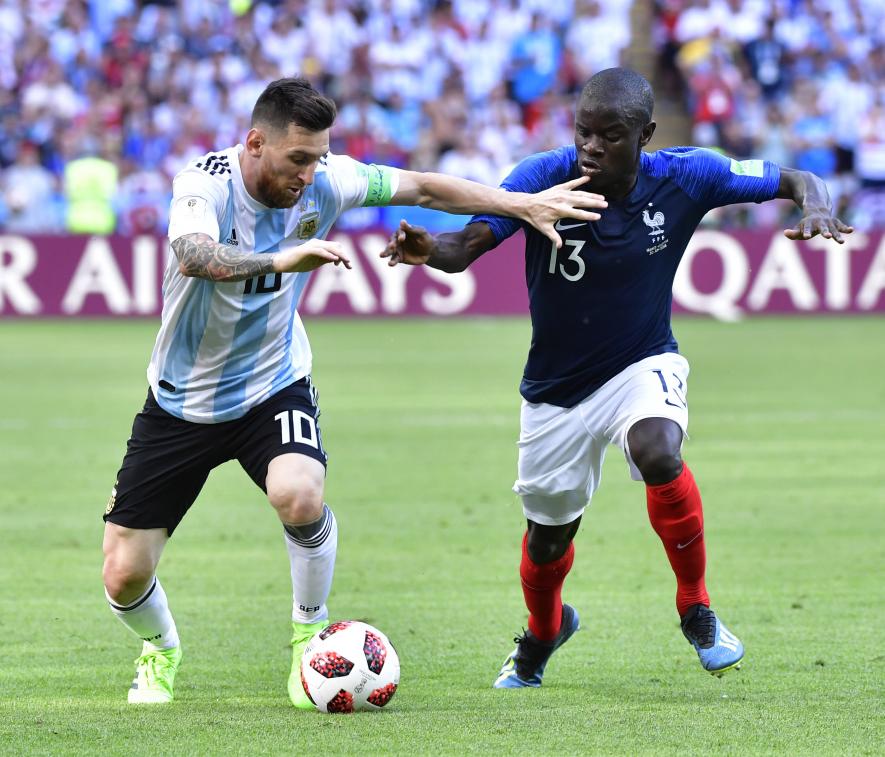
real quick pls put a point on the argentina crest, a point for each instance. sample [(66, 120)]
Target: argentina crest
[(307, 225)]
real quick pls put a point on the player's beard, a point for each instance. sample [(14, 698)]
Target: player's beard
[(272, 194)]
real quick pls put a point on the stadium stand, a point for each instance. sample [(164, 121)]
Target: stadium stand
[(798, 82), (463, 86)]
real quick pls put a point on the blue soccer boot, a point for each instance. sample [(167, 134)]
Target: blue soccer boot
[(717, 647), (524, 667)]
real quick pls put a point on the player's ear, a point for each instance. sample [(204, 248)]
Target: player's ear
[(647, 133), (255, 140)]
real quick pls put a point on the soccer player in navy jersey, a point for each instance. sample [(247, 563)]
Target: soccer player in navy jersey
[(604, 367)]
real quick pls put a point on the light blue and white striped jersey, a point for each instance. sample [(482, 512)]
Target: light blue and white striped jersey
[(225, 347)]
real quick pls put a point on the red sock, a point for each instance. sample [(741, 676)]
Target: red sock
[(677, 515), (542, 589)]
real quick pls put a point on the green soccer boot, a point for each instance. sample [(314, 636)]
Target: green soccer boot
[(302, 633), (154, 675)]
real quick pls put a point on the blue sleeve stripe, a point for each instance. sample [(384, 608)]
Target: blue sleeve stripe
[(712, 179)]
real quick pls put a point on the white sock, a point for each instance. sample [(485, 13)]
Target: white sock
[(148, 617), (312, 549)]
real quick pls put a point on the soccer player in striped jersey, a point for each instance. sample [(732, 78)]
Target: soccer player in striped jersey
[(229, 376), (604, 366)]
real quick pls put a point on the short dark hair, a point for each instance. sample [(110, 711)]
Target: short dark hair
[(293, 101), (623, 89)]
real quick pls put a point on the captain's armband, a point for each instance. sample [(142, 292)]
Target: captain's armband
[(382, 182)]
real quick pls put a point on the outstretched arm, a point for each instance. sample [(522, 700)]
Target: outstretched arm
[(541, 210), (451, 252), (810, 193)]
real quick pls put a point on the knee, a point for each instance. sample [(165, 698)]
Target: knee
[(298, 499), (658, 466), (546, 544), (656, 451), (125, 579), (543, 551)]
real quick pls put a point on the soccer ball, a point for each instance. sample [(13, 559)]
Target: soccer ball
[(349, 666)]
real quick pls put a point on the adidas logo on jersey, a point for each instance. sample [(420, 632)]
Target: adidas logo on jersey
[(215, 164), (232, 239)]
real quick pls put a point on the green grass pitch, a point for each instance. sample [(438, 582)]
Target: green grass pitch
[(420, 418)]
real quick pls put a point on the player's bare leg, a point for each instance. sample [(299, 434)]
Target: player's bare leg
[(547, 557), (136, 597), (676, 514), (295, 485)]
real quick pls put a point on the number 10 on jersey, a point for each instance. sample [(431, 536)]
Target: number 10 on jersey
[(575, 257)]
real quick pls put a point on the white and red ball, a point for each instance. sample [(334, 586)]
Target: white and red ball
[(349, 666)]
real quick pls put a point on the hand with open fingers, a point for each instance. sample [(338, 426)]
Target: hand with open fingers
[(409, 244), (821, 222), (309, 256), (562, 201)]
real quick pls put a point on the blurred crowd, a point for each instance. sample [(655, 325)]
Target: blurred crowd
[(798, 82), (110, 99), (101, 103)]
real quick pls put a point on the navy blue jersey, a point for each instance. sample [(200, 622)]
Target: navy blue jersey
[(602, 302)]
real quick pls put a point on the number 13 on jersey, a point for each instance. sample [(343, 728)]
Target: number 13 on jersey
[(574, 257)]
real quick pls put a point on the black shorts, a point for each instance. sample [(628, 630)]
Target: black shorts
[(168, 460)]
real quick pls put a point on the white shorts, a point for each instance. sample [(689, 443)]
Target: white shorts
[(561, 449)]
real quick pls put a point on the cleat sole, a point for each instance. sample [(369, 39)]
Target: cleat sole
[(722, 671)]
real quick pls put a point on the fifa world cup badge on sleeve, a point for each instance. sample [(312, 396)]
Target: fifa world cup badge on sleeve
[(192, 207)]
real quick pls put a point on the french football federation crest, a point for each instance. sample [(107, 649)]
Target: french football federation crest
[(655, 222), (308, 225), (656, 225)]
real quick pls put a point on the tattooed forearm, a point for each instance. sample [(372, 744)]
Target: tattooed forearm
[(201, 256)]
